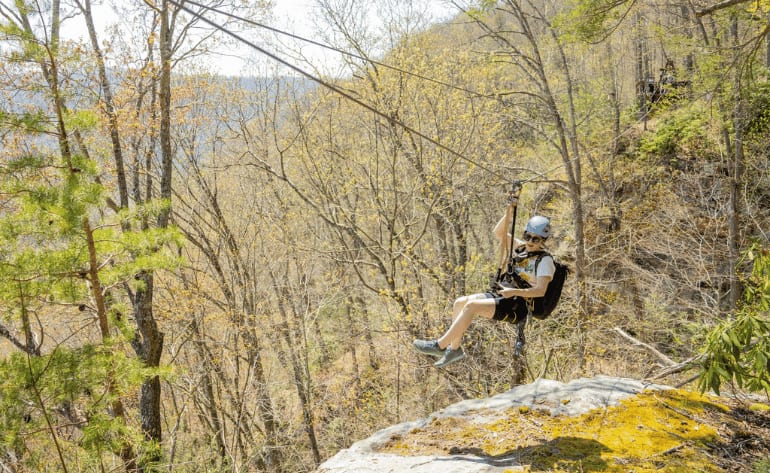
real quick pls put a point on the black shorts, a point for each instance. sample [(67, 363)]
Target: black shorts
[(509, 309)]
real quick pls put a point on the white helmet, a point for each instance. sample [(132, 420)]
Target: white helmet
[(539, 225)]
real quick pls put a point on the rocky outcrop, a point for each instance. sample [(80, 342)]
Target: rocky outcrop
[(592, 424)]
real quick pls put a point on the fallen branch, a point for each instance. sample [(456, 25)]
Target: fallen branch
[(687, 381), (668, 361), (679, 367), (672, 450)]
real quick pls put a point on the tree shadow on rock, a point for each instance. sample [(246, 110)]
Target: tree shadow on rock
[(564, 453)]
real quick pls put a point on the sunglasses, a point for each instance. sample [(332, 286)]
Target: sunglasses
[(533, 238)]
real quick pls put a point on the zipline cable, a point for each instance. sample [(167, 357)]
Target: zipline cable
[(371, 61), (340, 51), (366, 59), (338, 91)]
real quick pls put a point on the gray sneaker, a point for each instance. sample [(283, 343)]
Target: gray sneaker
[(450, 356), (429, 347)]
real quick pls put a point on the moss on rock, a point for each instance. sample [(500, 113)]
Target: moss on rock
[(668, 431)]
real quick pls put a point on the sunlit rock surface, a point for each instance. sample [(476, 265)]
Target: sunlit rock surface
[(590, 424)]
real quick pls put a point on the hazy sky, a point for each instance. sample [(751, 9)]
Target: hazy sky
[(293, 16), (296, 16)]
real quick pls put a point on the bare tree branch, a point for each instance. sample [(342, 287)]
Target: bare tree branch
[(668, 361), (5, 333), (718, 6)]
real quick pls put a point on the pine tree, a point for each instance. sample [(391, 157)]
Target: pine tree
[(63, 264)]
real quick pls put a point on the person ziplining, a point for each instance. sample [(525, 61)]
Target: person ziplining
[(530, 285)]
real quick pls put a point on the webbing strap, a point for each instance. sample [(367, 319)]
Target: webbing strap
[(516, 186), (531, 300)]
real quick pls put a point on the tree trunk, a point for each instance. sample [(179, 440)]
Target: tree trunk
[(641, 80), (149, 342), (767, 49), (126, 450), (148, 345), (359, 306), (164, 95), (353, 341), (294, 338), (212, 411), (109, 107), (736, 171), (270, 458)]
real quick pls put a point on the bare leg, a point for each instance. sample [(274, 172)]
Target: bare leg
[(464, 310), (460, 303)]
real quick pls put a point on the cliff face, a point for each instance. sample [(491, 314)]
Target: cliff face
[(597, 424)]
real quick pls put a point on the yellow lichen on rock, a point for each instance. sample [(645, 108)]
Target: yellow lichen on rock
[(662, 430), (654, 431)]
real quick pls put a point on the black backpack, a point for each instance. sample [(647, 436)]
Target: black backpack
[(543, 306)]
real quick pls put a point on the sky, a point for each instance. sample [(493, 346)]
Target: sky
[(292, 16), (296, 16)]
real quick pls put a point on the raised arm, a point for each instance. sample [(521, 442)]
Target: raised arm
[(502, 232), (503, 228)]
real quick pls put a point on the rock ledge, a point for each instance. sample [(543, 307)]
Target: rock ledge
[(559, 399)]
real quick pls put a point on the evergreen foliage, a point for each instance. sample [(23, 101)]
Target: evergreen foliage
[(60, 391), (737, 351)]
